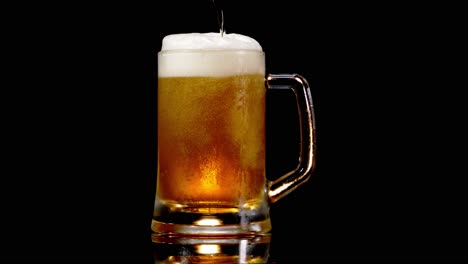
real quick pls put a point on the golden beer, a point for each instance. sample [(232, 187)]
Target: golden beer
[(211, 140)]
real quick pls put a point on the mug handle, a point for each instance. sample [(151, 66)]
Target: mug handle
[(288, 182)]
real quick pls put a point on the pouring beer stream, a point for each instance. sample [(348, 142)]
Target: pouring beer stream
[(220, 16)]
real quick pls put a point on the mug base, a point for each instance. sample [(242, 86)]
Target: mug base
[(237, 230), (210, 220)]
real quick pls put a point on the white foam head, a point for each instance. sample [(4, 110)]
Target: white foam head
[(210, 54), (209, 41)]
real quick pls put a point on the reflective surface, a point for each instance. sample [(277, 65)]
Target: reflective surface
[(252, 249)]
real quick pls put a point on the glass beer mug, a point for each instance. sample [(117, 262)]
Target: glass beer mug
[(211, 137)]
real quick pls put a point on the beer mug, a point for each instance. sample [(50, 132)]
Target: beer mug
[(211, 137)]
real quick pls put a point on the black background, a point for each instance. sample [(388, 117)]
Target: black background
[(80, 122)]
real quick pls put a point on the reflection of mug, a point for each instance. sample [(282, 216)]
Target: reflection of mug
[(195, 249), (211, 142)]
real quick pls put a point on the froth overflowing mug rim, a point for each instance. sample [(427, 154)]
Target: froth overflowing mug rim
[(211, 51)]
